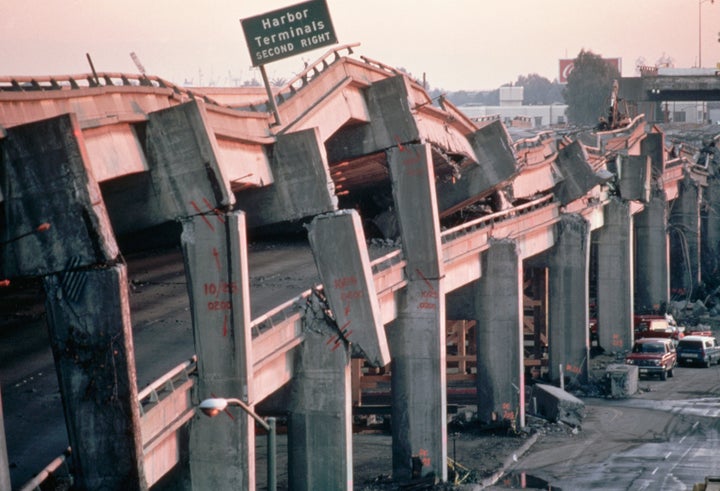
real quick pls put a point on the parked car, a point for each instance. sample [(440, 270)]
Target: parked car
[(657, 326), (653, 356), (698, 350)]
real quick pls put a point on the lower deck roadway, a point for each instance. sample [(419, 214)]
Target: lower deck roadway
[(162, 336)]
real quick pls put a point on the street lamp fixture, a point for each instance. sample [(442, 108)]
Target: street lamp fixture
[(214, 406)]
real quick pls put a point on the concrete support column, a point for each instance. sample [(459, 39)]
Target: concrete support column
[(685, 274), (711, 229), (91, 337), (569, 262), (499, 336), (417, 338), (652, 260), (4, 463), (615, 278), (222, 449), (320, 419)]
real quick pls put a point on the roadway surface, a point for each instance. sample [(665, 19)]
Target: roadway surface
[(665, 438), (162, 337)]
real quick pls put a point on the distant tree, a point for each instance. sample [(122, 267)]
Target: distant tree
[(588, 88), (538, 90)]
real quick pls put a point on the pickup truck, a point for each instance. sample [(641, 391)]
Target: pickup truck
[(653, 356), (698, 350)]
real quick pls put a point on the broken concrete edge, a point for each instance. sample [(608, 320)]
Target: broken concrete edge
[(509, 461)]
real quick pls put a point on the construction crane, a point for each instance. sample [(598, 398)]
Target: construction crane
[(615, 118)]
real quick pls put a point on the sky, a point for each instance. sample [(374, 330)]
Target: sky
[(455, 44)]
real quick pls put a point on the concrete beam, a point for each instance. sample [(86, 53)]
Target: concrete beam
[(417, 338), (555, 404), (391, 122), (342, 259), (635, 177), (578, 176), (91, 338), (222, 449), (186, 173), (47, 179), (615, 277), (301, 188), (495, 163)]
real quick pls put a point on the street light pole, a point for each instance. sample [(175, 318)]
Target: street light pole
[(213, 407), (700, 2)]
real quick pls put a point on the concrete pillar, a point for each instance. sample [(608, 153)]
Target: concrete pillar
[(320, 412), (47, 179), (222, 449), (499, 336), (615, 277), (653, 146), (91, 337), (417, 337), (711, 228), (685, 273), (652, 280), (338, 244), (568, 316), (4, 463)]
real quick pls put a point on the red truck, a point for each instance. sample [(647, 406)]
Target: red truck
[(653, 356)]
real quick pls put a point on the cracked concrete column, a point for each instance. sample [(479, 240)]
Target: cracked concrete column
[(417, 337), (652, 260), (711, 226), (499, 335), (615, 277), (91, 339), (48, 180), (569, 262), (685, 236), (222, 449), (320, 412)]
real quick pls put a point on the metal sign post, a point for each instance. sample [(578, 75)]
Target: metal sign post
[(286, 32)]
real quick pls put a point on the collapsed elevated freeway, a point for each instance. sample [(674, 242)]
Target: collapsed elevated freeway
[(482, 226)]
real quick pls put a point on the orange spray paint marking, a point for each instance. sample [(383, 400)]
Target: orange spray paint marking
[(207, 222)]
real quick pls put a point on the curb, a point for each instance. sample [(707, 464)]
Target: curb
[(512, 459)]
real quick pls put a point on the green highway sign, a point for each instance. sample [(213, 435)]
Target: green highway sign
[(288, 31)]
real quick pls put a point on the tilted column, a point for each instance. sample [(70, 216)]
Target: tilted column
[(320, 432), (568, 315), (615, 278), (652, 259), (91, 339), (53, 203), (417, 337), (222, 449), (499, 335), (685, 275)]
